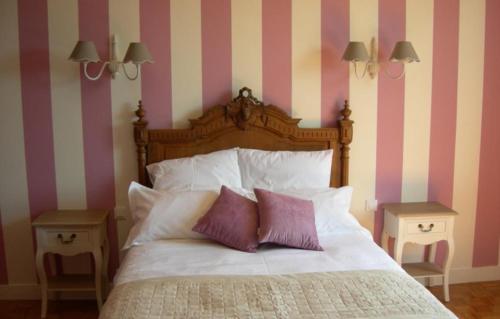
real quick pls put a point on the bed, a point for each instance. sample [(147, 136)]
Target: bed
[(198, 278)]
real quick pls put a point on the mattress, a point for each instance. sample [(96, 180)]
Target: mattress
[(352, 278), (351, 248)]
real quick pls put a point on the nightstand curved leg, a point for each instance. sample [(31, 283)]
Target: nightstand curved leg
[(447, 266), (43, 280), (385, 241), (431, 258), (105, 262), (98, 276), (398, 250)]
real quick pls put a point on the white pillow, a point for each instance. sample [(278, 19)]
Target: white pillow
[(200, 172), (284, 169), (331, 207), (140, 200), (168, 215)]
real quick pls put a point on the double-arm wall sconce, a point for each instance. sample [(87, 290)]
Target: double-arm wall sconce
[(355, 52), (85, 52)]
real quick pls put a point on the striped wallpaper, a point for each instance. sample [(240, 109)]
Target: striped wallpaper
[(433, 135)]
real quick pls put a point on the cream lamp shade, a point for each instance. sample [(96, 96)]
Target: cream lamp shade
[(355, 52), (404, 52), (137, 53), (84, 51)]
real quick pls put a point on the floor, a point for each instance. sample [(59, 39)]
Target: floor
[(67, 309), (474, 300), (468, 301)]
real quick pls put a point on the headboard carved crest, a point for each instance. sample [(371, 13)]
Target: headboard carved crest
[(244, 108), (243, 122)]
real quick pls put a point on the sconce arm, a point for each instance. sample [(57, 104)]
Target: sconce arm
[(356, 70), (93, 78), (137, 69), (396, 77)]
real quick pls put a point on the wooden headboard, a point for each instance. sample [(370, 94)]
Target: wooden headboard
[(243, 122)]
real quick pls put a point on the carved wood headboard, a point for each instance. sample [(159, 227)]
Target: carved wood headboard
[(244, 122)]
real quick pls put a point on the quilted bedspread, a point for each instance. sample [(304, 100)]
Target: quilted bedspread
[(346, 294)]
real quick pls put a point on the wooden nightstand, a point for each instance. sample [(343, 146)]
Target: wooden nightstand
[(421, 223), (68, 233)]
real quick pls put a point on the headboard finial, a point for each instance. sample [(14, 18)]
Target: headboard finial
[(140, 112), (346, 111), (345, 140), (141, 140)]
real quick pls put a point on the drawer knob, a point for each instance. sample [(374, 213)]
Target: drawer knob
[(66, 241), (423, 230)]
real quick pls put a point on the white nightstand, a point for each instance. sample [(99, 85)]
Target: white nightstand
[(421, 223), (68, 233)]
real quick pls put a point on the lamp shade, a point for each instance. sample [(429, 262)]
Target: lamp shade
[(355, 52), (137, 53), (404, 52), (84, 51)]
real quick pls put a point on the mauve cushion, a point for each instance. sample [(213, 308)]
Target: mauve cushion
[(286, 220), (232, 220)]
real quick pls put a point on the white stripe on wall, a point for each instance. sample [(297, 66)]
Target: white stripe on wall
[(306, 62), (417, 112), (124, 23), (186, 61), (468, 132), (67, 115), (363, 98), (66, 104), (14, 202), (246, 40)]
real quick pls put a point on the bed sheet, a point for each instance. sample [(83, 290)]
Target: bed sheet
[(351, 248)]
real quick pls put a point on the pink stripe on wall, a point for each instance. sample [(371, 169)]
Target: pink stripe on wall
[(97, 121), (487, 232), (216, 51), (390, 111), (444, 101), (37, 109), (3, 261), (277, 53), (157, 81), (334, 73), (444, 105)]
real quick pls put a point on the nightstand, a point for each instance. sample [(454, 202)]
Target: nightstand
[(68, 233), (421, 223)]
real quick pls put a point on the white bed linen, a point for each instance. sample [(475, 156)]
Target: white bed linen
[(351, 248)]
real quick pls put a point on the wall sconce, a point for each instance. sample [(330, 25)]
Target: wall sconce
[(85, 52), (403, 53)]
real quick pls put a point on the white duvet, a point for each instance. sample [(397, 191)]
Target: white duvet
[(349, 248)]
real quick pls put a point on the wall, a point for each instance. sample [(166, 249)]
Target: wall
[(66, 142)]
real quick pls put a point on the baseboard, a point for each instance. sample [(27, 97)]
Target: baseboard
[(463, 275)]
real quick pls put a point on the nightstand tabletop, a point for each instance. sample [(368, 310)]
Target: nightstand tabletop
[(418, 208), (71, 218)]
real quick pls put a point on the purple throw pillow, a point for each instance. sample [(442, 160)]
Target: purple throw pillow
[(232, 220), (286, 220)]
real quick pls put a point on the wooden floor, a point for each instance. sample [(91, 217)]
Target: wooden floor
[(474, 300), (468, 301)]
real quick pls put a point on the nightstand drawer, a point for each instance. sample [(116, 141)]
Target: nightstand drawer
[(426, 227), (67, 238)]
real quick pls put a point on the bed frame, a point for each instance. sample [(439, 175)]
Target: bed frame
[(243, 122)]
